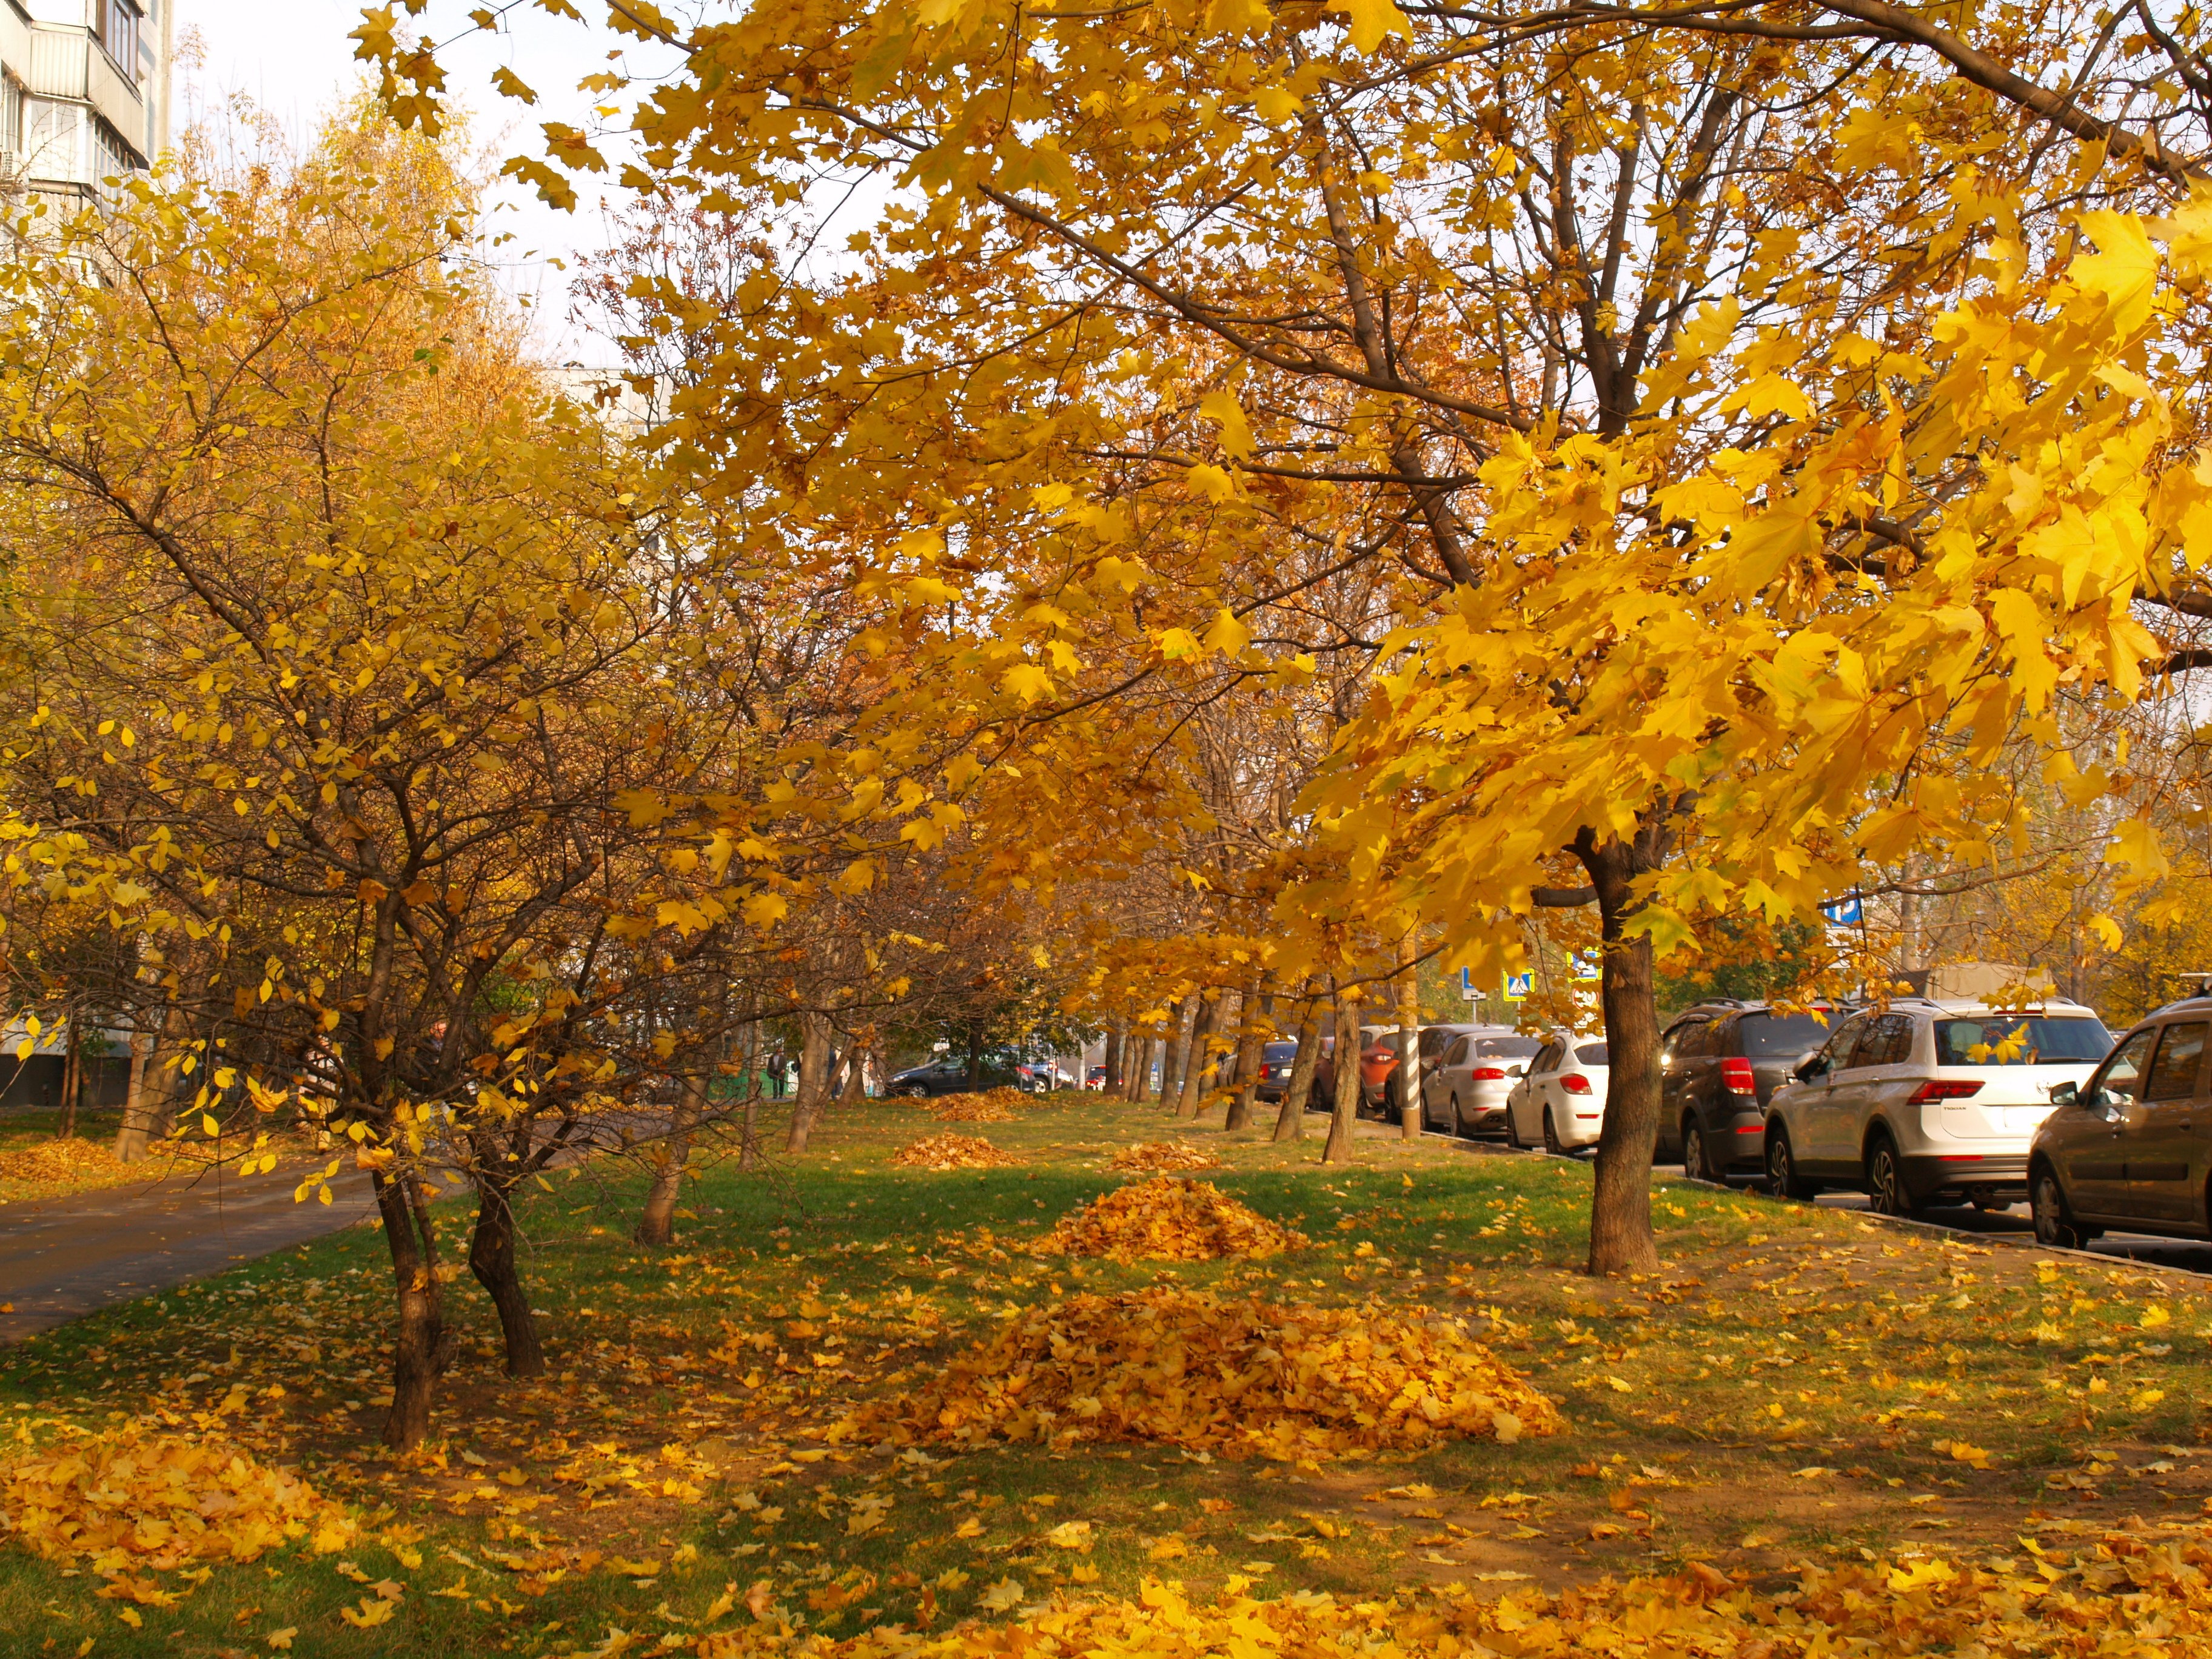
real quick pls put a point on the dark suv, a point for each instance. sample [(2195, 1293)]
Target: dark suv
[(1721, 1062)]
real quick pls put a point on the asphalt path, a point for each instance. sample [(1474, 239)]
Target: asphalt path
[(66, 1256)]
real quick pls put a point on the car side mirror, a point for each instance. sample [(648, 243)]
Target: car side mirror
[(1808, 1067), (1517, 1071), (2066, 1094)]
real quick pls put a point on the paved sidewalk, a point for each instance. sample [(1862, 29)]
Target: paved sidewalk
[(67, 1257)]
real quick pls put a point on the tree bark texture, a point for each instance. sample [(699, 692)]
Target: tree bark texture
[(1250, 1035), (420, 1333), (1172, 1053), (1621, 1239), (1406, 1078), (491, 1258), (813, 1064), (1291, 1122), (1198, 1069), (1344, 1108), (656, 1224), (156, 1089), (72, 1080), (1111, 1085), (130, 1137)]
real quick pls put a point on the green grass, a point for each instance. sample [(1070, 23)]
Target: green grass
[(1778, 1339)]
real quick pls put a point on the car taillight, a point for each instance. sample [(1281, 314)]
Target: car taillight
[(1736, 1078), (1574, 1084), (1944, 1089), (1487, 1074)]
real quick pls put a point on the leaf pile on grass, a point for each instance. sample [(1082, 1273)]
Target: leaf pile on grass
[(132, 1496), (2012, 1605), (993, 1106), (1159, 1156), (1168, 1219), (1237, 1378), (58, 1160), (950, 1151)]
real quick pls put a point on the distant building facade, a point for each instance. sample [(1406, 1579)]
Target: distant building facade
[(84, 92)]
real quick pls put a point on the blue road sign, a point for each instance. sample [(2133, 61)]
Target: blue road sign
[(1844, 912), (1589, 965), (1517, 987)]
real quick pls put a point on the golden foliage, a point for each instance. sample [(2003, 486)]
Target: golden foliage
[(951, 1152), (1236, 1378), (991, 1106), (70, 1161), (1156, 1156), (132, 1497), (1931, 1605), (1167, 1219)]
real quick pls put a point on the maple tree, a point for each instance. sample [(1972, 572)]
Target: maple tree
[(1656, 354)]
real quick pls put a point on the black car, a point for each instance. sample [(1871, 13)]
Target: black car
[(1720, 1063), (1277, 1060), (948, 1075)]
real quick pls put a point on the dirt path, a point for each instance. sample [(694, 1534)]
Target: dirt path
[(66, 1256)]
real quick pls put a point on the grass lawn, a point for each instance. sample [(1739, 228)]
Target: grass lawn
[(1795, 1386)]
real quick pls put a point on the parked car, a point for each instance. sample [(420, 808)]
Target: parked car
[(1465, 1093), (1323, 1098), (1925, 1100), (2132, 1146), (1095, 1078), (1378, 1058), (1720, 1063), (1039, 1077), (1560, 1099), (948, 1075), (1277, 1059)]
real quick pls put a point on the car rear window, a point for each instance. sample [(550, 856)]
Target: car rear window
[(1274, 1051), (1504, 1047), (1592, 1054), (2031, 1040), (1765, 1035)]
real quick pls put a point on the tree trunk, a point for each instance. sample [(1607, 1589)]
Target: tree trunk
[(1250, 1038), (1345, 1107), (131, 1138), (1620, 1206), (421, 1332), (973, 1080), (657, 1225), (1291, 1122), (856, 1073), (1198, 1067), (491, 1258), (1112, 1083), (1172, 1053), (1408, 1075), (749, 1129), (158, 1086), (72, 1080), (813, 1063)]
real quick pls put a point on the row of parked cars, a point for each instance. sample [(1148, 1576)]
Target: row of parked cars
[(1915, 1102)]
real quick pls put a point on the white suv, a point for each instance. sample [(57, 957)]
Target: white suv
[(1923, 1099)]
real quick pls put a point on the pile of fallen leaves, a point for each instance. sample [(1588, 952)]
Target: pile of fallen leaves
[(1235, 1377), (58, 1160), (1168, 1219), (131, 1495), (992, 1106), (1159, 1156), (2011, 1604), (950, 1151)]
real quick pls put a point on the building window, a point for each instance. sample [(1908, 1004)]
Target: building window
[(53, 139), (119, 32), (111, 156)]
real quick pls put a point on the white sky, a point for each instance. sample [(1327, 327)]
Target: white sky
[(292, 57)]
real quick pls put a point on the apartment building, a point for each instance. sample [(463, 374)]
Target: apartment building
[(84, 91)]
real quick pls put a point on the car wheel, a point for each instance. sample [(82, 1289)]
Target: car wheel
[(2054, 1225), (914, 1091), (1513, 1129), (1886, 1193), (1551, 1136), (1695, 1161), (1458, 1123), (1782, 1177)]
